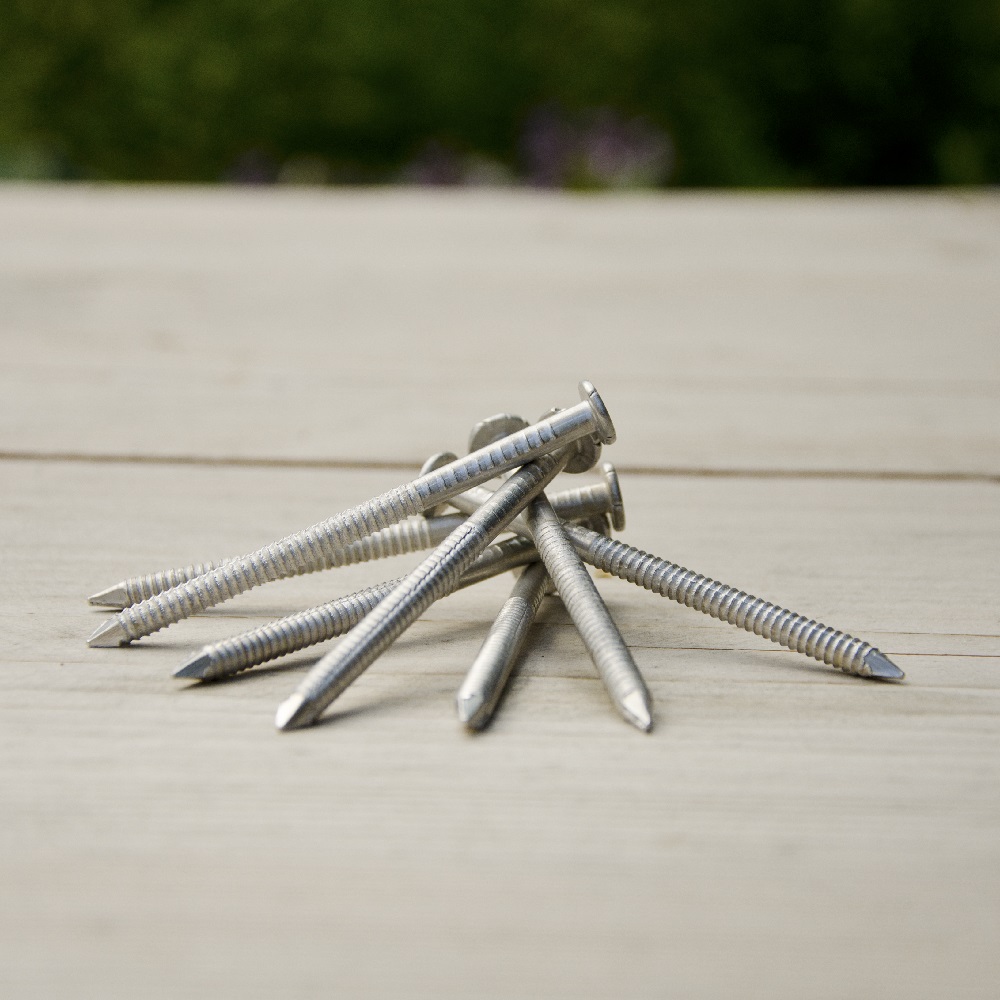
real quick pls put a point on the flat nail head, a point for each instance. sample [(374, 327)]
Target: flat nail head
[(585, 451), (603, 424), (500, 425), (435, 462), (610, 477)]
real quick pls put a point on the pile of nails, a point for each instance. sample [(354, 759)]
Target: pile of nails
[(552, 535)]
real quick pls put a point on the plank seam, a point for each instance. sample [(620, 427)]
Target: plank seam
[(670, 471)]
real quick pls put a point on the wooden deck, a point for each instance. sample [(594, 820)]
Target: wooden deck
[(807, 396)]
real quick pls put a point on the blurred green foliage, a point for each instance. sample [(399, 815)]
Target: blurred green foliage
[(748, 92)]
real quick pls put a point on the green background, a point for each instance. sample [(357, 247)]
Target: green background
[(775, 92)]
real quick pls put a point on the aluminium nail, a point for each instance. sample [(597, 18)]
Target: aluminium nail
[(590, 615), (315, 548), (484, 433), (787, 628), (486, 679), (314, 625), (435, 577), (489, 674), (411, 535), (579, 504), (571, 505), (134, 589), (584, 502)]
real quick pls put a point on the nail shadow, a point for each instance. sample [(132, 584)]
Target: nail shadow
[(375, 705), (298, 666), (451, 631)]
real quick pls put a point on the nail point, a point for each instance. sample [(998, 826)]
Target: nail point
[(111, 633), (196, 667), (881, 667), (471, 710), (113, 597), (636, 710), (293, 713)]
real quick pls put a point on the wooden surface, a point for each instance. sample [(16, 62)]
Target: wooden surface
[(807, 396)]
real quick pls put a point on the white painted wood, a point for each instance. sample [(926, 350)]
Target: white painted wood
[(726, 331), (785, 831)]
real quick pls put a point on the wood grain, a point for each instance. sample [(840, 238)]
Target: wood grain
[(835, 332), (785, 831)]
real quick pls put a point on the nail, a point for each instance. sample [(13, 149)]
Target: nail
[(719, 600), (316, 547), (589, 613), (480, 692), (307, 628), (436, 576)]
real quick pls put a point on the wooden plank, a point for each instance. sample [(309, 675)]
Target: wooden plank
[(788, 332), (785, 831)]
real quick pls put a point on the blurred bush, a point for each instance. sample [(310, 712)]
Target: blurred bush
[(587, 93)]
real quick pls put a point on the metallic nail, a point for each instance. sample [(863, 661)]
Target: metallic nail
[(315, 547), (139, 588), (788, 629), (494, 428), (436, 576), (485, 432), (593, 621), (411, 535), (604, 497), (571, 505), (487, 678), (480, 692), (306, 628)]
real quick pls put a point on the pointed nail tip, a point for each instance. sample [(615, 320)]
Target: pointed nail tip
[(471, 712), (882, 668), (637, 711), (112, 597), (195, 668), (110, 633), (644, 725), (293, 713)]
